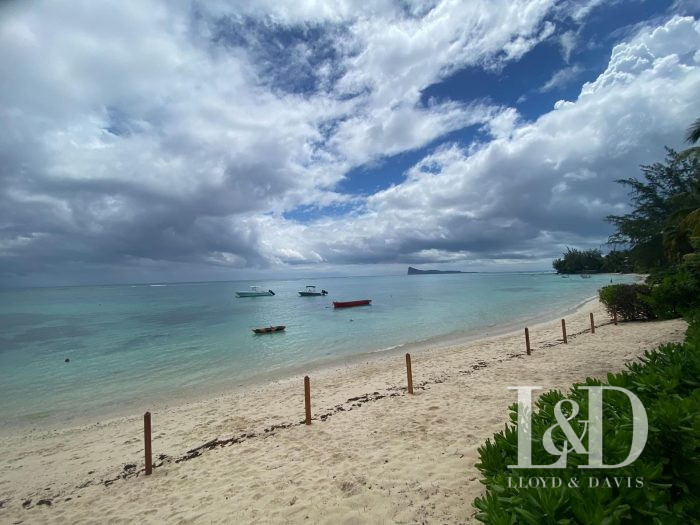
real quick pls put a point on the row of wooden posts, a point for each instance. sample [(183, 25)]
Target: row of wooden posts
[(307, 391)]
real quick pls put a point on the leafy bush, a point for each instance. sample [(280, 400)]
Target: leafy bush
[(675, 294), (630, 301), (666, 382)]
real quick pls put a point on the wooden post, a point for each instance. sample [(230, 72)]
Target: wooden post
[(147, 442), (592, 324), (563, 330), (307, 399), (615, 317), (527, 341), (409, 374)]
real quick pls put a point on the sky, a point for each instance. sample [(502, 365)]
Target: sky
[(153, 141)]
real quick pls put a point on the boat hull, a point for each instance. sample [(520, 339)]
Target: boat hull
[(269, 329), (253, 294), (311, 294), (349, 304)]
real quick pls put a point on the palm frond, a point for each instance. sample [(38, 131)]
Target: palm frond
[(693, 133)]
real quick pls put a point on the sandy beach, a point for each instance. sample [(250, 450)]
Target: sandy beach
[(374, 454)]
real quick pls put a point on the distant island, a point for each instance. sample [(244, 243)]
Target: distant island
[(416, 271)]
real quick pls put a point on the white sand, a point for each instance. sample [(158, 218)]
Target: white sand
[(396, 459)]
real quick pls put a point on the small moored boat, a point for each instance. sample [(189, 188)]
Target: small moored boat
[(311, 292), (269, 329), (255, 292), (347, 304)]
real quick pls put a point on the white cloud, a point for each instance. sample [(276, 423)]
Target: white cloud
[(535, 187), (561, 78), (170, 130), (649, 50), (143, 133), (581, 9), (568, 41)]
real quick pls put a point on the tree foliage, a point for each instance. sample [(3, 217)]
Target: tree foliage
[(692, 136), (579, 261), (693, 133), (618, 261), (656, 229)]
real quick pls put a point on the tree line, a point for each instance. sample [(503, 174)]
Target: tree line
[(662, 230), (593, 261)]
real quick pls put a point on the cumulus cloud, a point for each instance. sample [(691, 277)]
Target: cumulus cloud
[(150, 131), (538, 186), (650, 50), (152, 135)]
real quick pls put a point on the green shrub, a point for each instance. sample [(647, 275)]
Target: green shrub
[(676, 293), (630, 301), (666, 381)]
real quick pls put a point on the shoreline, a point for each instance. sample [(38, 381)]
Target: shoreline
[(166, 401), (460, 399)]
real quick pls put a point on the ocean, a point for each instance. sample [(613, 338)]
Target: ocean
[(129, 344)]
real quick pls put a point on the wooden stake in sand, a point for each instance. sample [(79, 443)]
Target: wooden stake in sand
[(615, 317), (592, 324), (563, 330), (409, 374), (307, 399), (527, 341), (147, 442)]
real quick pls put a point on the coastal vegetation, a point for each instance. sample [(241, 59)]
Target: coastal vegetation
[(668, 469), (660, 236), (629, 301), (579, 261), (659, 232), (665, 213), (592, 261)]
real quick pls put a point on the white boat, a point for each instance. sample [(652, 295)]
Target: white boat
[(311, 292), (255, 292)]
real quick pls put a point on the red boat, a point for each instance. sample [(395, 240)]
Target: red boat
[(269, 329), (346, 304)]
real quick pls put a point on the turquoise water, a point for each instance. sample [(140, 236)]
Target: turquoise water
[(127, 344)]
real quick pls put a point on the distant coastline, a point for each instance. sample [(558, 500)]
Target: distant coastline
[(416, 271)]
